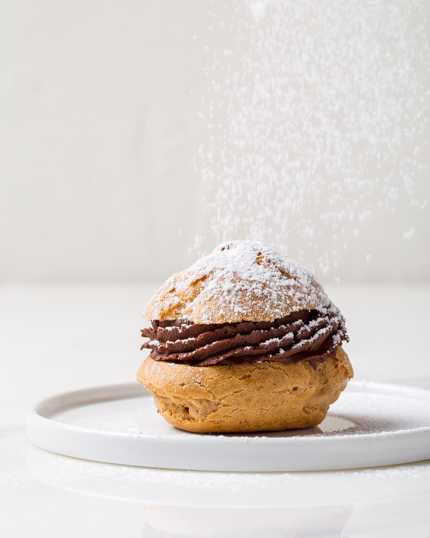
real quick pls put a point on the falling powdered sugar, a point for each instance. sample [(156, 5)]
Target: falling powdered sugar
[(318, 120)]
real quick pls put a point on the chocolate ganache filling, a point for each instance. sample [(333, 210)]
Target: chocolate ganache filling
[(301, 336)]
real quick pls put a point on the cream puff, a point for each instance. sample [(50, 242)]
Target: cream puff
[(244, 340)]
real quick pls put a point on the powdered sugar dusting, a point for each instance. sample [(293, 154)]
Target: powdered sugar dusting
[(239, 280)]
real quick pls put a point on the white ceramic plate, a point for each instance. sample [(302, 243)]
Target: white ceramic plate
[(372, 424)]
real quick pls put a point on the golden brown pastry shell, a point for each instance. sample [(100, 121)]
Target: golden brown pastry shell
[(265, 396), (207, 292)]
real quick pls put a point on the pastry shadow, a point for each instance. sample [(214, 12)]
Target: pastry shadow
[(283, 433), (332, 425)]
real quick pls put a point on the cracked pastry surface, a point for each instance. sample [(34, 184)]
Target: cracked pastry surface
[(246, 397), (238, 281)]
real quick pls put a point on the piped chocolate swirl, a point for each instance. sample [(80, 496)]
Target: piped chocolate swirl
[(304, 335)]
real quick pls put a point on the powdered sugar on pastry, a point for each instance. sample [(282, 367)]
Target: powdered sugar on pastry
[(239, 280)]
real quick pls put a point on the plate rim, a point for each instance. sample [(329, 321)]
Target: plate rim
[(47, 434)]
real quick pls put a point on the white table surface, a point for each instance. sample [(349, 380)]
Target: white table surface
[(59, 338)]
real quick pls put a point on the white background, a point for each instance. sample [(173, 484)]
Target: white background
[(99, 133)]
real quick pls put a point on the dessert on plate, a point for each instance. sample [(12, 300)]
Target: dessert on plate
[(244, 340)]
